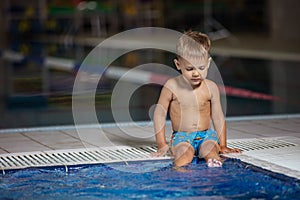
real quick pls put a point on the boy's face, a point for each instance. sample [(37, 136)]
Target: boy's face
[(194, 70)]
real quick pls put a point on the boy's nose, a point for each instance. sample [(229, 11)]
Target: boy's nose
[(196, 73)]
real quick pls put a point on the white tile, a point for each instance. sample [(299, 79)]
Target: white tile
[(10, 136), (94, 138), (55, 140), (72, 133), (112, 136), (3, 151), (237, 123), (285, 157), (259, 129), (284, 125), (236, 134), (19, 143)]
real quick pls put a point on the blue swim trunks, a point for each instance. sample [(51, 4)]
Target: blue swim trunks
[(194, 138)]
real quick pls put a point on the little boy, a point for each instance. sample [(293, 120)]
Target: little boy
[(192, 101)]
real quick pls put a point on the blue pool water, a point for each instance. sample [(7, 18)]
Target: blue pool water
[(235, 180)]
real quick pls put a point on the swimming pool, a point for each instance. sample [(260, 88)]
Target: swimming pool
[(235, 180)]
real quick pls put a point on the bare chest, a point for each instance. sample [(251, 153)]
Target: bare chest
[(199, 100)]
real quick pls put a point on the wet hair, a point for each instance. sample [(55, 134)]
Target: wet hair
[(193, 45)]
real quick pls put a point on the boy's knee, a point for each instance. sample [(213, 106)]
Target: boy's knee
[(183, 154), (209, 146)]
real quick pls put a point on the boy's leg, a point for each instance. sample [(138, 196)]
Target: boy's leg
[(183, 154), (209, 150)]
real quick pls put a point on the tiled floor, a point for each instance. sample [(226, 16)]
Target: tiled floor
[(12, 141)]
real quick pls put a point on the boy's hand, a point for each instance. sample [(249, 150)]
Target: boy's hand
[(161, 151), (226, 149)]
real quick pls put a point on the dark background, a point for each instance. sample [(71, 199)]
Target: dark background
[(255, 45)]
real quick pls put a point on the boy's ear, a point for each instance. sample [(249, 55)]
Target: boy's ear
[(176, 62)]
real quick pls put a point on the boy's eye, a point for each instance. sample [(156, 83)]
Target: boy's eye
[(202, 67), (189, 69)]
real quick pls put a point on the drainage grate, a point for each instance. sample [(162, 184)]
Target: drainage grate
[(76, 157), (115, 154), (259, 144)]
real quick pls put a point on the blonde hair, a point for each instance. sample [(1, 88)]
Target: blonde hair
[(193, 45)]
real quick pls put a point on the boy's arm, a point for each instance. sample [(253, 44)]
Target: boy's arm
[(217, 113), (159, 118), (219, 119)]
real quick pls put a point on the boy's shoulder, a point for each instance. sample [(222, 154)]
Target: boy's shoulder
[(172, 84), (173, 81), (213, 88), (210, 84)]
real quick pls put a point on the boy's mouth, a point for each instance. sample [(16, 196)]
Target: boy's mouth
[(196, 79)]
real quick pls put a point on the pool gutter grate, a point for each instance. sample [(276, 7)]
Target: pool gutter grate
[(116, 154), (76, 157), (259, 143)]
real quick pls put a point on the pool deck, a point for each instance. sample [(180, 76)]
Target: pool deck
[(283, 158)]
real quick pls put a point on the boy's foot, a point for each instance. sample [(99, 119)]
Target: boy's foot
[(212, 162)]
